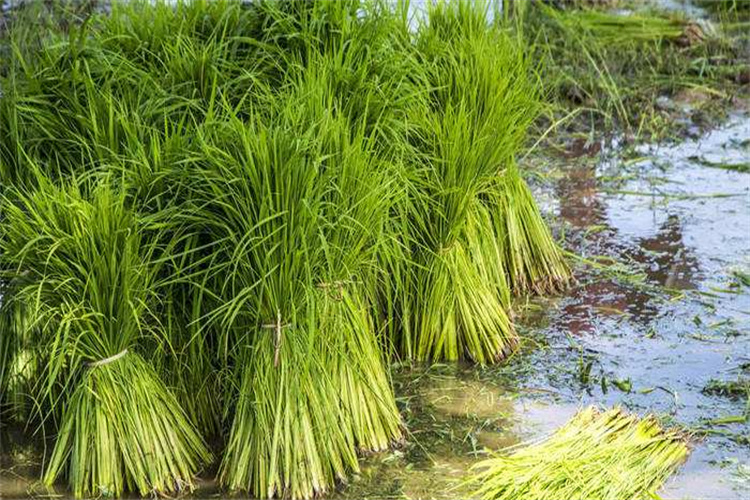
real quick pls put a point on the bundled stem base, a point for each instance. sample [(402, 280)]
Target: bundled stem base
[(533, 260), (463, 314), (596, 455), (285, 437), (123, 430), (302, 415), (358, 371)]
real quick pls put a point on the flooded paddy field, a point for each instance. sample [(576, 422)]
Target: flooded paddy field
[(658, 321)]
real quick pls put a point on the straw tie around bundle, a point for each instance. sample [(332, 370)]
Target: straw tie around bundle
[(277, 327), (338, 285), (596, 455), (106, 361)]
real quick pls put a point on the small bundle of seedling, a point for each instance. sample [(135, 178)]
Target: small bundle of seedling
[(82, 268), (596, 455), (474, 231), (19, 360)]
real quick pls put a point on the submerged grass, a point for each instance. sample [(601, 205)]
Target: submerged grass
[(608, 454)]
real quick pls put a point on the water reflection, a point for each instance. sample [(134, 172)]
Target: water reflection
[(668, 261), (664, 257)]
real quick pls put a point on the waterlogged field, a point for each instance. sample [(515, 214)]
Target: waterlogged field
[(638, 155)]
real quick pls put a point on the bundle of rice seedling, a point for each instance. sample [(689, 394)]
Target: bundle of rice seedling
[(596, 455), (297, 206), (612, 66), (286, 437), (532, 258), (19, 360), (86, 272), (617, 28), (189, 363), (479, 100), (228, 201)]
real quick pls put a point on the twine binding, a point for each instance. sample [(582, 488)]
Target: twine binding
[(337, 285), (106, 361), (277, 327)]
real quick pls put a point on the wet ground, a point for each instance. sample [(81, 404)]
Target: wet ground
[(670, 318)]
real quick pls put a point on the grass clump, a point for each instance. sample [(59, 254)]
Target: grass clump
[(734, 389), (81, 268), (595, 455)]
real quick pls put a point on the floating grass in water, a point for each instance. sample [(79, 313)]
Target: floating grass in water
[(596, 455), (735, 389)]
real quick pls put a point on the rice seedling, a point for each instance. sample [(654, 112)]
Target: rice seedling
[(298, 208), (85, 271), (532, 258), (479, 101), (8, 349), (19, 362), (725, 6), (230, 201), (617, 29), (597, 454)]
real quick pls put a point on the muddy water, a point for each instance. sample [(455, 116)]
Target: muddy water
[(648, 333), (682, 223)]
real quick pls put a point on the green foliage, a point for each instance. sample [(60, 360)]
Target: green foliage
[(470, 124), (258, 202), (615, 69), (86, 273)]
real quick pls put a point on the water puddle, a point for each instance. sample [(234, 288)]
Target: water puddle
[(676, 318)]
